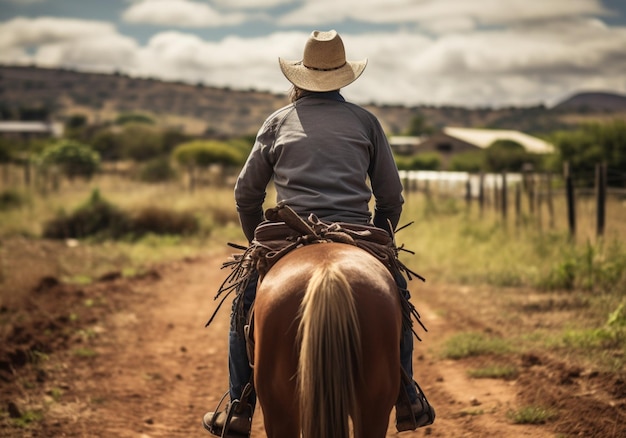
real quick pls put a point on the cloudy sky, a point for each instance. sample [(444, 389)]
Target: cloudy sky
[(434, 52)]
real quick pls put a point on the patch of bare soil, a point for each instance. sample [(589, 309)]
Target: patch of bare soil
[(131, 358)]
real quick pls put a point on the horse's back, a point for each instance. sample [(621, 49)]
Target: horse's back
[(277, 318)]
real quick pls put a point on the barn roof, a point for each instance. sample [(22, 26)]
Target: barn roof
[(17, 126), (483, 138)]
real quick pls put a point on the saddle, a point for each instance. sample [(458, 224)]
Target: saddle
[(283, 231)]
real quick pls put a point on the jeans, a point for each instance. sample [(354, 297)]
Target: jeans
[(239, 366)]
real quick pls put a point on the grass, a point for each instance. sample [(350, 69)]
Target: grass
[(453, 245), (472, 344), (28, 418), (531, 415), (505, 372)]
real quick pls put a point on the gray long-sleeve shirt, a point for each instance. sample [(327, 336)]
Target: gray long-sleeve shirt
[(320, 152)]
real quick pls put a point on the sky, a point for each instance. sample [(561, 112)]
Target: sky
[(473, 53)]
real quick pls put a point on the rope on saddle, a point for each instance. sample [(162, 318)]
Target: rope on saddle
[(284, 231)]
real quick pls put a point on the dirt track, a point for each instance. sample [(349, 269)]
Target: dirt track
[(136, 361)]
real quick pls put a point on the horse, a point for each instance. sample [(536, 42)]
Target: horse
[(328, 322)]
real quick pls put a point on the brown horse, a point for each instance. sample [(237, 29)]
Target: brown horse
[(327, 344)]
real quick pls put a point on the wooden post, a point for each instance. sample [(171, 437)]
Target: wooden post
[(504, 197), (571, 201), (496, 195), (549, 200), (481, 193), (530, 181), (600, 198), (518, 204), (468, 194)]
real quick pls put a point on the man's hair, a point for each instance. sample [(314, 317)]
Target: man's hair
[(295, 93)]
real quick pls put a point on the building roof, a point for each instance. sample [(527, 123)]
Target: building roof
[(483, 138), (403, 140), (17, 126)]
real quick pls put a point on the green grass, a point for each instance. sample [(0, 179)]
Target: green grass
[(28, 418), (473, 344), (84, 352), (506, 372), (531, 415)]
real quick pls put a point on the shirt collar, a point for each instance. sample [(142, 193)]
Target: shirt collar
[(331, 95)]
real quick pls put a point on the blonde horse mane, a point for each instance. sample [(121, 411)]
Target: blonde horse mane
[(328, 367)]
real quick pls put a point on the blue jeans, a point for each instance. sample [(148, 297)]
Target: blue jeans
[(239, 366)]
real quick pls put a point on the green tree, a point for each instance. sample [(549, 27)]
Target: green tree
[(507, 155), (108, 144), (73, 159), (419, 126), (141, 142), (591, 144), (202, 153)]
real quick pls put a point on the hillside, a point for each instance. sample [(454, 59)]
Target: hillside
[(200, 109), (593, 102)]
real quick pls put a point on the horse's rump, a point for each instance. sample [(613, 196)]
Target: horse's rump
[(342, 307)]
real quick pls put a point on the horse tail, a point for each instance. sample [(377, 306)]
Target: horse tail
[(328, 366)]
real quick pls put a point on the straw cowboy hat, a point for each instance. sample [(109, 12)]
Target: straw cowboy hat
[(323, 66)]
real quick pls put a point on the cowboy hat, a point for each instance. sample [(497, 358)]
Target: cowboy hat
[(323, 66)]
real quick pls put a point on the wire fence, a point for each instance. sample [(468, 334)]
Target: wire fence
[(546, 200)]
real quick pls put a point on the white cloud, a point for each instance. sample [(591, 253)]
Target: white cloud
[(252, 4), (23, 2), (94, 45), (526, 63), (440, 15), (180, 13)]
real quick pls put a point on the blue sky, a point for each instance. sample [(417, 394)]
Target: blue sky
[(420, 52)]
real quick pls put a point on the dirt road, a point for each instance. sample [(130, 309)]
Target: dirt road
[(131, 358)]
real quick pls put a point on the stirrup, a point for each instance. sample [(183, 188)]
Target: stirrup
[(405, 416), (238, 417)]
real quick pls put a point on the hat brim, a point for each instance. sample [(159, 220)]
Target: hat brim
[(317, 80)]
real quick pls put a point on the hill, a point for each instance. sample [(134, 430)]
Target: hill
[(36, 93), (593, 102)]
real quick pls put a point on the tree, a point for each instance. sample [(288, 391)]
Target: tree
[(141, 142), (592, 144), (73, 159), (506, 155), (419, 126), (201, 154), (108, 144)]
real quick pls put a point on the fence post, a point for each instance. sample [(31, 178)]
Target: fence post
[(518, 204), (481, 193), (600, 198), (468, 193), (549, 199), (571, 204), (504, 198)]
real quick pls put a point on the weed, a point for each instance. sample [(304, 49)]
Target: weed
[(27, 418), (531, 415), (85, 352), (56, 394), (494, 372), (473, 344), (11, 199)]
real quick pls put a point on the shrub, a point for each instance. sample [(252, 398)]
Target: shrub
[(96, 217), (156, 170), (99, 218), (468, 162), (157, 220), (10, 199), (74, 159), (424, 161), (206, 153)]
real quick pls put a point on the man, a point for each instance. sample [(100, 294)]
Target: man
[(320, 152)]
